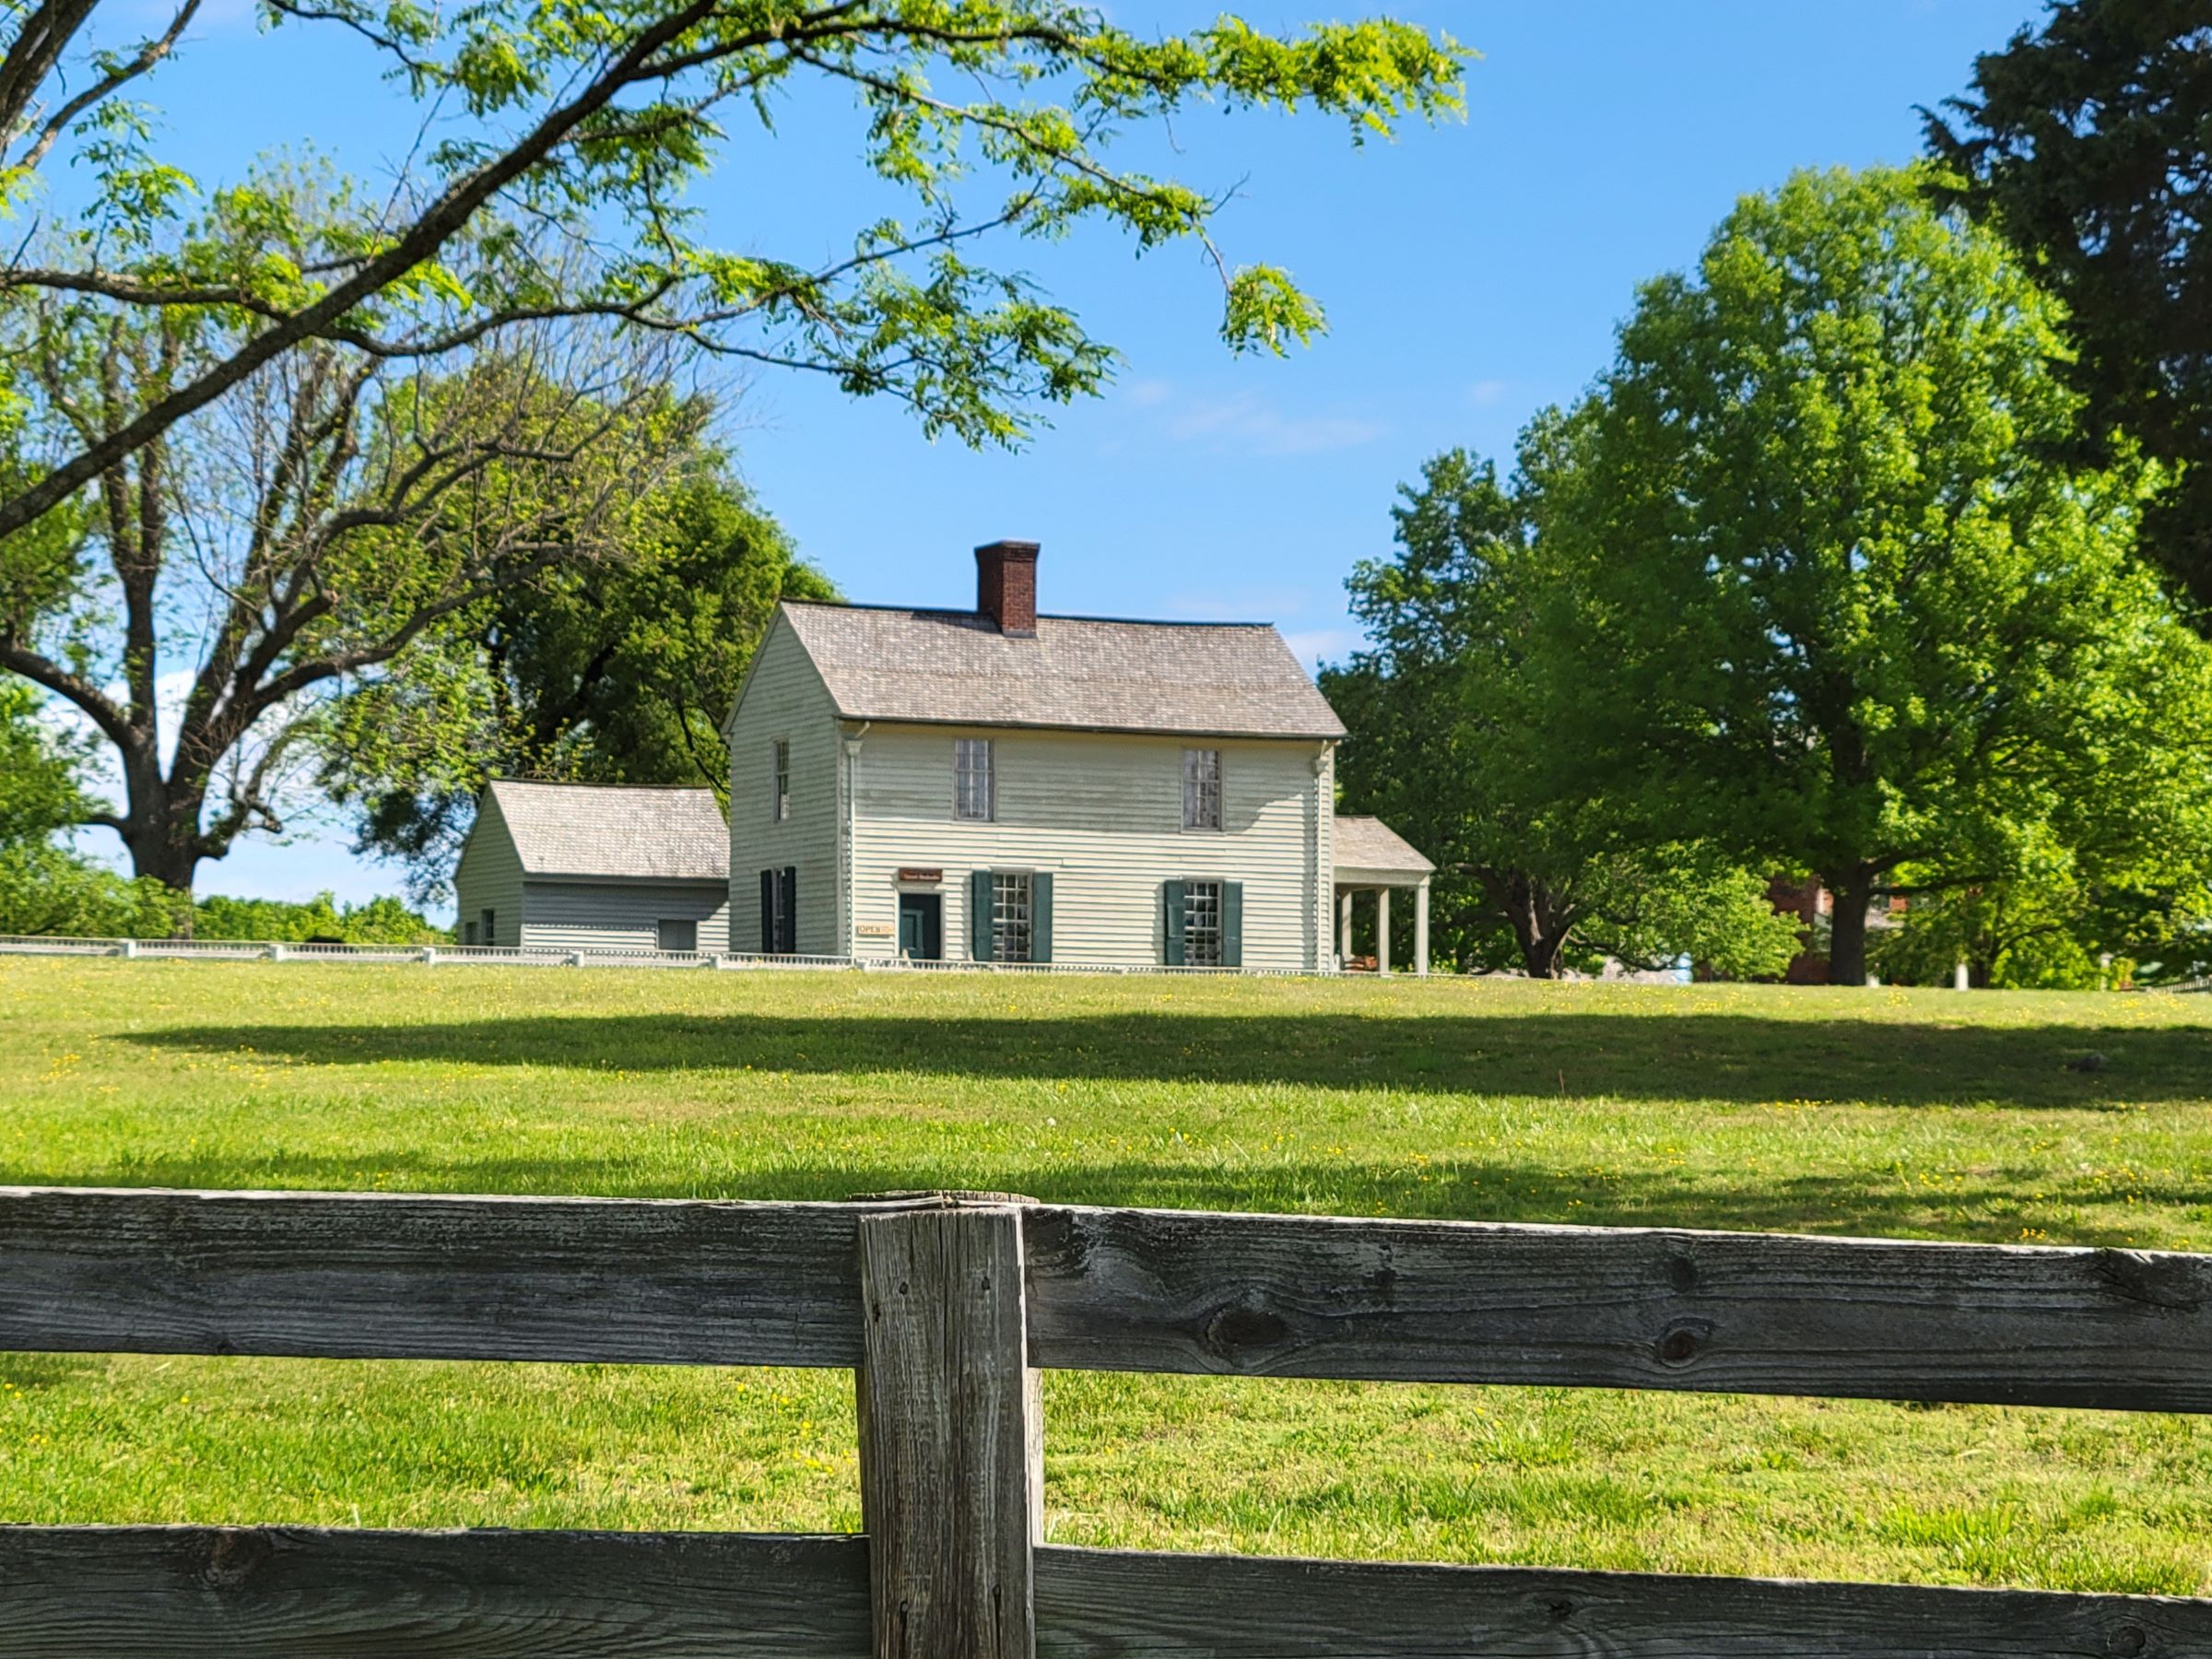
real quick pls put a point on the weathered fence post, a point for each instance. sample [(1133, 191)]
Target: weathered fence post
[(951, 1450)]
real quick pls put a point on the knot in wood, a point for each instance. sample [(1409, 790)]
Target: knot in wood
[(234, 1556), (1238, 1326), (2128, 1641), (1679, 1344)]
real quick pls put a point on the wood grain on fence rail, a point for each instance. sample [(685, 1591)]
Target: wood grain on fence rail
[(1160, 1290), (273, 1592), (277, 1593), (1116, 1289), (417, 1277), (1095, 1603)]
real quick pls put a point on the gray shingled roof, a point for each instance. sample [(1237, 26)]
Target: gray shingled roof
[(597, 829), (1234, 679), (1369, 843)]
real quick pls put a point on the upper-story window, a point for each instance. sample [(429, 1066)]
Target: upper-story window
[(1202, 789), (972, 795), (780, 801)]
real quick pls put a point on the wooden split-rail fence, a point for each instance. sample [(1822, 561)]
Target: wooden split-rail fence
[(947, 1305)]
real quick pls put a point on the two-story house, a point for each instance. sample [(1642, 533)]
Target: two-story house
[(997, 786)]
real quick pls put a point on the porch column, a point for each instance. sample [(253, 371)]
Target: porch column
[(1420, 929), (1381, 931), (1344, 927)]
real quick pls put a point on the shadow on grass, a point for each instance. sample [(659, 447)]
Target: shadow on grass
[(1717, 1057)]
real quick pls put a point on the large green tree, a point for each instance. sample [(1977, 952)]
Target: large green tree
[(619, 672), (245, 566), (2085, 144), (1452, 743), (1842, 604), (540, 160)]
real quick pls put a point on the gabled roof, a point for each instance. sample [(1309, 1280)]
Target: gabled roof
[(626, 833), (1214, 679), (1369, 843)]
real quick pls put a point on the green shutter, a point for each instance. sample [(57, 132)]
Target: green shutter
[(979, 916), (1040, 917), (1172, 926), (768, 913), (1232, 924)]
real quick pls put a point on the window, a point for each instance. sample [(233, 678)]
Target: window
[(468, 932), (1202, 789), (972, 795), (1010, 918), (1201, 923), (780, 801), (676, 935), (780, 912), (486, 932)]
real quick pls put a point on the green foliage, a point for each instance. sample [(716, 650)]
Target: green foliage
[(567, 139), (1838, 605), (2085, 146), (1454, 741), (47, 890), (380, 920), (39, 787), (617, 672)]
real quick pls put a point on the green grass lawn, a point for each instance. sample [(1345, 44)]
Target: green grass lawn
[(1914, 1113)]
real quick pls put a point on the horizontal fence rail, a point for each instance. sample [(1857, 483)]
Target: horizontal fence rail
[(275, 1593), (588, 956), (709, 1283), (948, 1305)]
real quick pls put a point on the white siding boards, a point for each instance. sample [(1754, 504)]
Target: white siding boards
[(1096, 820), (489, 877), (792, 851)]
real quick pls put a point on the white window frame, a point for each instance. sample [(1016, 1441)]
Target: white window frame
[(1013, 916), (1201, 792), (971, 781), (1203, 934), (778, 780)]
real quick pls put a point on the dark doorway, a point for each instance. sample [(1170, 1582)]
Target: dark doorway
[(922, 926)]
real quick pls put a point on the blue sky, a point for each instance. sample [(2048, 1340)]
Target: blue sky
[(1472, 273)]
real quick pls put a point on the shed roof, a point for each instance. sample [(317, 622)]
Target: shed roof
[(1219, 679), (624, 832), (1369, 843)]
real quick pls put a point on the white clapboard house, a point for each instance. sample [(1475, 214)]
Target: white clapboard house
[(581, 867), (996, 785)]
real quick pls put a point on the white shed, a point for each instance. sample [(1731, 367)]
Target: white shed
[(588, 866)]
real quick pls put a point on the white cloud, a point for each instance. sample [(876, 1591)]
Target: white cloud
[(1247, 423), (1484, 393)]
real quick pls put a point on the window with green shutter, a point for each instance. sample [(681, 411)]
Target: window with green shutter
[(1205, 923)]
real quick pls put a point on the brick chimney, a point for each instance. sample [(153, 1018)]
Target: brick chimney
[(1006, 586)]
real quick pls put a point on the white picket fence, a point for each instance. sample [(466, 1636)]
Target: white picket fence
[(269, 951)]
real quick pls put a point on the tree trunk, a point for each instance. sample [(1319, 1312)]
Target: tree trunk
[(162, 835), (1847, 929), (1541, 923)]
